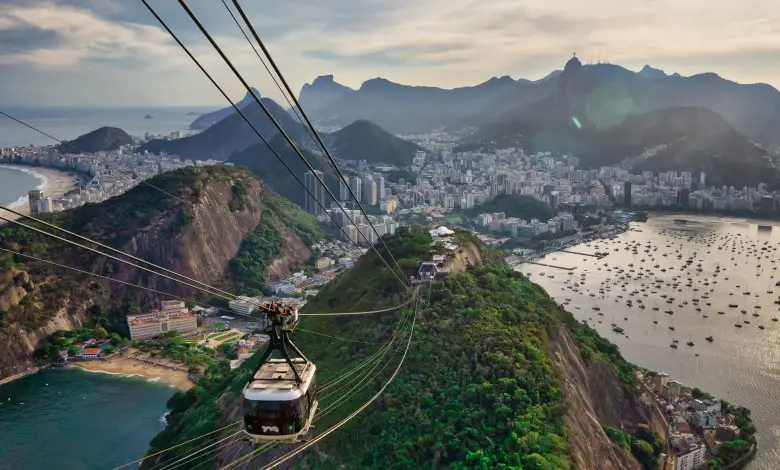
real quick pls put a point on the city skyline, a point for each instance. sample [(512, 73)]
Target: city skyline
[(112, 53)]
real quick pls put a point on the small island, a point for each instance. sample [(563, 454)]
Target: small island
[(148, 116)]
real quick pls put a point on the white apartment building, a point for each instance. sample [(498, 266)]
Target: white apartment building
[(693, 459), (243, 305), (173, 316)]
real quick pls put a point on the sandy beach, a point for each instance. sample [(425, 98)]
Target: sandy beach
[(53, 183), (128, 366)]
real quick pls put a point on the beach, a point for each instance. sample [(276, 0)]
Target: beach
[(124, 365), (53, 182)]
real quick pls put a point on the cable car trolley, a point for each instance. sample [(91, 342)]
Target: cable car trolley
[(280, 398)]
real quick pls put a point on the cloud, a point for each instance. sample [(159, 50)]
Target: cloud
[(445, 43)]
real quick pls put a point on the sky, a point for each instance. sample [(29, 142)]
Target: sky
[(96, 53)]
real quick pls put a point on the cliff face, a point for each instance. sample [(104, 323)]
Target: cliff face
[(595, 398), (211, 239), (18, 345), (196, 234)]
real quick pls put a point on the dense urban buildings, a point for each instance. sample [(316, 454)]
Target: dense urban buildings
[(315, 192)]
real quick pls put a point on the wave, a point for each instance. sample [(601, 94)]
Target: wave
[(42, 185)]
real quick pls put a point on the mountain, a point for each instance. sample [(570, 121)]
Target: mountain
[(497, 375), (752, 109), (204, 121), (266, 166), (650, 72), (321, 92), (364, 140), (400, 108), (99, 140), (202, 238), (229, 135), (593, 114)]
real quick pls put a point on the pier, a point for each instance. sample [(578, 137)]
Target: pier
[(550, 266), (578, 253)]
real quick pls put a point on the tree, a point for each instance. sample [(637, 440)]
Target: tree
[(644, 453), (100, 332), (72, 351)]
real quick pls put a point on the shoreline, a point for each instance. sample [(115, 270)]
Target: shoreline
[(53, 182), (129, 367)]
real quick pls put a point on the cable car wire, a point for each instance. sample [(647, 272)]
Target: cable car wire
[(172, 465), (16, 222), (276, 82), (102, 277), (177, 445), (267, 144), (102, 245), (335, 427), (67, 144), (333, 337), (279, 128), (306, 117)]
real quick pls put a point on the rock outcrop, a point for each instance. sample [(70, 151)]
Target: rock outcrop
[(595, 398)]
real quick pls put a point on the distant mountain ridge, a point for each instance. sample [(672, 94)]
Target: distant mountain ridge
[(592, 114), (230, 134), (752, 109), (204, 121), (100, 140)]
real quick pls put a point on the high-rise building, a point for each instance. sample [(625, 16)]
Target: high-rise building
[(357, 187), (33, 197), (369, 191), (317, 190), (702, 179), (343, 191), (683, 197), (627, 193), (45, 205), (380, 187)]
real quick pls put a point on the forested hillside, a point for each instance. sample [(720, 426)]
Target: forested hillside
[(483, 384)]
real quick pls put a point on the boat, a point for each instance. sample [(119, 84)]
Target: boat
[(709, 338)]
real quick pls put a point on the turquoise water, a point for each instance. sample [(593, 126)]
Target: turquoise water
[(72, 419)]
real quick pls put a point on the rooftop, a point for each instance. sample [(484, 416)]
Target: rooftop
[(275, 380)]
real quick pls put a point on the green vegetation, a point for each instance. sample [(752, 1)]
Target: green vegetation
[(291, 215), (645, 444), (364, 140), (237, 201), (257, 251), (193, 355), (197, 411), (515, 205), (63, 340), (479, 387)]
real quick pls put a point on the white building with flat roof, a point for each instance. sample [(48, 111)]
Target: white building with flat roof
[(243, 305), (173, 316)]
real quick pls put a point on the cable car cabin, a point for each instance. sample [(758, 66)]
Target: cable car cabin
[(275, 407)]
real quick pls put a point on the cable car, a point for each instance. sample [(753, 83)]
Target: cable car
[(280, 398)]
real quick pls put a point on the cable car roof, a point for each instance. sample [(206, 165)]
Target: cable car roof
[(274, 380)]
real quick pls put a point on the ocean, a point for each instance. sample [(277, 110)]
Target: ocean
[(15, 183), (73, 419), (69, 123)]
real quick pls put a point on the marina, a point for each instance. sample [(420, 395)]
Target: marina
[(695, 298)]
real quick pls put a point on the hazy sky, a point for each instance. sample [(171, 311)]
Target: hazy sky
[(112, 52)]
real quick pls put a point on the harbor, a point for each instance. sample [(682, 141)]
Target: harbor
[(695, 298)]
